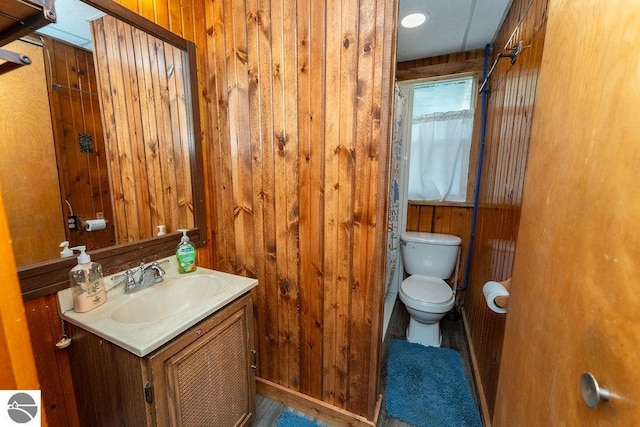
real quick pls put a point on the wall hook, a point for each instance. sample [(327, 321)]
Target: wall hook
[(515, 51), (512, 53)]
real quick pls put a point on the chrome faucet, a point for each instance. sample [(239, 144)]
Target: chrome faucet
[(149, 276)]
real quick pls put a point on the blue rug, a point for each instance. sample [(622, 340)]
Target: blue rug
[(426, 387), (291, 419)]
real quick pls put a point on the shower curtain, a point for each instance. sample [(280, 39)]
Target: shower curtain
[(393, 232)]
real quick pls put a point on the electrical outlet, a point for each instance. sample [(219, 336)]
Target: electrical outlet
[(72, 222)]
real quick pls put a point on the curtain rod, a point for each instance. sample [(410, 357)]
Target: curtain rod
[(513, 53)]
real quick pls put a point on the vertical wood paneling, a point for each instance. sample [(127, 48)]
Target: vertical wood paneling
[(455, 63), (331, 186), (52, 364), (343, 123), (75, 109), (44, 327), (307, 206), (145, 119), (505, 155), (311, 119), (290, 145)]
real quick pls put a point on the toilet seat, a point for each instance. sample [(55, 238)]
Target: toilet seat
[(429, 294)]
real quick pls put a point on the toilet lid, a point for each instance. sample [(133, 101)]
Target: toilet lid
[(427, 289)]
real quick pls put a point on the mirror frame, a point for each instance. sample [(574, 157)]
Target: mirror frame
[(37, 280)]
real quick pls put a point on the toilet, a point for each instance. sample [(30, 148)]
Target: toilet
[(428, 258)]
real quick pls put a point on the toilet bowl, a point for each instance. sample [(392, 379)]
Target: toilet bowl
[(429, 258)]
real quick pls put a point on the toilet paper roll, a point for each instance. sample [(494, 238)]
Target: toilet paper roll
[(491, 290), (95, 224)]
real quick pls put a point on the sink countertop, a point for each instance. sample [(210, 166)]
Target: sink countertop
[(143, 338)]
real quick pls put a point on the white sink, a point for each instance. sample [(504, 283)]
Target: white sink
[(143, 321), (177, 296)]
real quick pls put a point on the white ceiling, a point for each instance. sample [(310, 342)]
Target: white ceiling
[(453, 26), (72, 23)]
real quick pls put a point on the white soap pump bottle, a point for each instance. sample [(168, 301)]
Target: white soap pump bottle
[(65, 252), (87, 285)]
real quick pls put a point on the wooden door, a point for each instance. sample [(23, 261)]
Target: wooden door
[(575, 303), (205, 377), (28, 168), (17, 367)]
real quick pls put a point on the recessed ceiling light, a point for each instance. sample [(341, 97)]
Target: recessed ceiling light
[(413, 20)]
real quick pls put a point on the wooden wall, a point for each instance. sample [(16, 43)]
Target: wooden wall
[(28, 176), (505, 155), (295, 139), (455, 63), (182, 17), (142, 89), (299, 162), (75, 109)]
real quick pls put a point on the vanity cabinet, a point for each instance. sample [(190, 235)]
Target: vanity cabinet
[(203, 377)]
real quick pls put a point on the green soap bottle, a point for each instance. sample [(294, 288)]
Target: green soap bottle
[(186, 254)]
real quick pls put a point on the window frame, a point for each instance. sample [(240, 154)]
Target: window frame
[(474, 151)]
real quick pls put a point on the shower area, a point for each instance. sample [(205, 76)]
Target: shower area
[(397, 208)]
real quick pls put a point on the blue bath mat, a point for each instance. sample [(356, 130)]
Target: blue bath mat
[(291, 419), (426, 387)]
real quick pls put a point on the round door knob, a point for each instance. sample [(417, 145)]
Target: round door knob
[(591, 392)]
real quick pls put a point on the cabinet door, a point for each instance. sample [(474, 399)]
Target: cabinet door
[(205, 377)]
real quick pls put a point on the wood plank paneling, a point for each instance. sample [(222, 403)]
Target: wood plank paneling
[(136, 93), (442, 65), (300, 182), (266, 108), (75, 109), (45, 329), (52, 365), (510, 111)]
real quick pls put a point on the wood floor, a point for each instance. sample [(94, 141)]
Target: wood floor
[(453, 337)]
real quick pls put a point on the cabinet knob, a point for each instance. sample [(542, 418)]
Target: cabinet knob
[(591, 392), (254, 365)]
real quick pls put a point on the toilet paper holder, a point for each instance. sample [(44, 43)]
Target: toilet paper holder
[(85, 222), (503, 301)]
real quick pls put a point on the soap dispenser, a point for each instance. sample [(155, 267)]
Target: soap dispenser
[(87, 286), (65, 252), (186, 254)]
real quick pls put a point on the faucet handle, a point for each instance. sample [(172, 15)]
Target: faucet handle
[(127, 274), (129, 281), (156, 266)]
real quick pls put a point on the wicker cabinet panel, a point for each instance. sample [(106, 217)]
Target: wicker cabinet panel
[(206, 379)]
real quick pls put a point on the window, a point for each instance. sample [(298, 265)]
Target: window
[(442, 114)]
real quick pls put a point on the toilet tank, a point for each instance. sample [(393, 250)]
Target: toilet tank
[(429, 254)]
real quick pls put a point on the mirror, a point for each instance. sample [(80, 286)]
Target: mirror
[(136, 155)]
